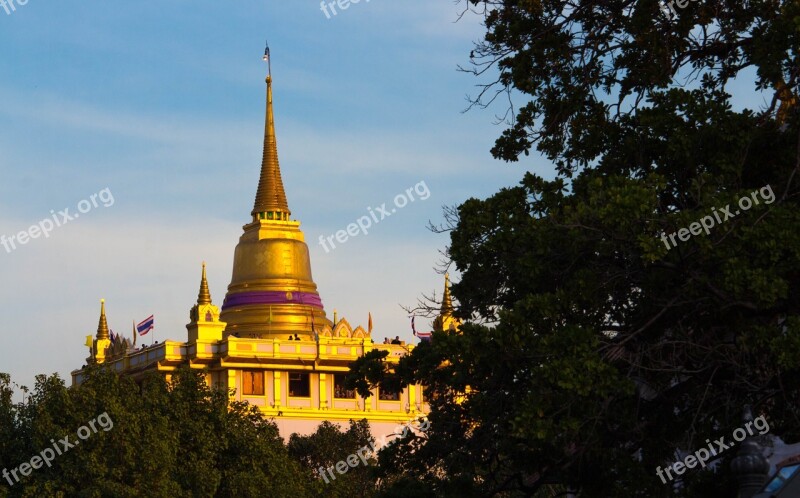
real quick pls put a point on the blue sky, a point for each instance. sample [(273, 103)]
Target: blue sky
[(163, 104)]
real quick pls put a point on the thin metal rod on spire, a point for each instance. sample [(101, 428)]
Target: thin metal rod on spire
[(269, 61)]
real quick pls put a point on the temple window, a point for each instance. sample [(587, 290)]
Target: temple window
[(384, 395), (339, 389), (253, 382), (299, 385)]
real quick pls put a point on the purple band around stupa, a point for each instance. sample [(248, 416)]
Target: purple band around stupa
[(271, 297)]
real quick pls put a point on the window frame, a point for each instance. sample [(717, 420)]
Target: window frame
[(381, 394), (335, 395), (253, 384), (308, 384)]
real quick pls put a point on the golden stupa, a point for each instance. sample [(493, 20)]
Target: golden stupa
[(272, 283), (272, 344)]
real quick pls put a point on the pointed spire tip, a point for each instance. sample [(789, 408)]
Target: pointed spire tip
[(270, 203), (204, 296), (102, 325)]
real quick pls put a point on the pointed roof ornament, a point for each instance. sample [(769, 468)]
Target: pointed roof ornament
[(102, 326), (204, 296), (271, 203), (447, 299), (446, 321)]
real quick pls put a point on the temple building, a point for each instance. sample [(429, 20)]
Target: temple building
[(272, 341)]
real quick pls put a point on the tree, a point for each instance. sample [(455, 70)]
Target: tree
[(329, 446), (606, 345), (159, 439)]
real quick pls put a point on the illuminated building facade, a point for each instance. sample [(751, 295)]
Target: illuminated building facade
[(272, 341)]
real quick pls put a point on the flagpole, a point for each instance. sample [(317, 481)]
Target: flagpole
[(268, 59)]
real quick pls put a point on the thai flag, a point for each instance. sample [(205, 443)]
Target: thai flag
[(424, 336), (145, 326)]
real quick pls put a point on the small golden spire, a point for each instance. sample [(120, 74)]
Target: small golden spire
[(204, 296), (446, 321), (102, 326), (447, 299), (270, 197)]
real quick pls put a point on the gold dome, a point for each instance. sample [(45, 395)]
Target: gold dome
[(272, 292)]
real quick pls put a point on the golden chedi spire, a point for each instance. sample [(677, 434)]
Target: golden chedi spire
[(102, 342), (446, 319), (272, 293), (204, 323), (204, 296), (447, 299), (271, 201), (102, 326)]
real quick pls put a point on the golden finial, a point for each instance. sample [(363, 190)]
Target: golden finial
[(335, 316), (102, 326), (270, 197), (204, 297), (447, 299), (446, 321)]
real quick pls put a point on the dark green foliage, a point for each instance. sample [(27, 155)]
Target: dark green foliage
[(607, 350), (178, 440), (328, 446)]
